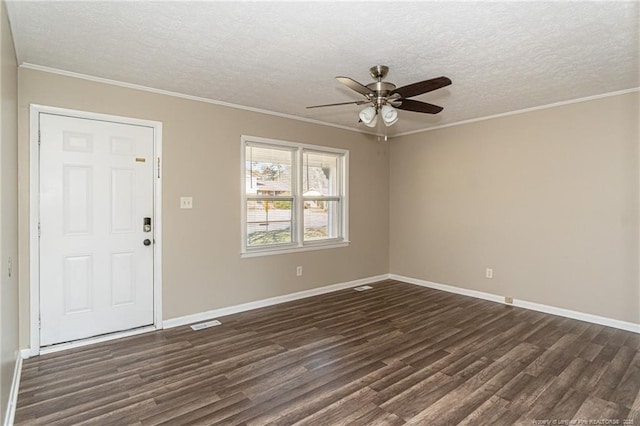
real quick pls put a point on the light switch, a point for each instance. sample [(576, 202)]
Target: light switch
[(186, 202)]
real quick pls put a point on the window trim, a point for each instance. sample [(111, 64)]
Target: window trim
[(298, 243)]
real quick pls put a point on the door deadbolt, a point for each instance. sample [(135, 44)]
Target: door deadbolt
[(146, 224), (147, 242)]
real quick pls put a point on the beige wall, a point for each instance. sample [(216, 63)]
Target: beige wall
[(201, 149), (548, 199), (9, 211)]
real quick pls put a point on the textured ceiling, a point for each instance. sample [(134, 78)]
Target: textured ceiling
[(281, 57)]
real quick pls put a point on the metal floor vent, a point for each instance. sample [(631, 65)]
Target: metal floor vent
[(363, 288), (207, 324)]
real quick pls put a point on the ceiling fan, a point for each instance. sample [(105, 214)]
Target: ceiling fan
[(383, 97)]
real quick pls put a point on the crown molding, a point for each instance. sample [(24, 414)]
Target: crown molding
[(522, 111), (88, 77)]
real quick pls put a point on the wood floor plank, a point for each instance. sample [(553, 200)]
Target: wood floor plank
[(493, 411), (343, 410), (217, 411), (179, 405), (594, 408), (628, 387), (395, 354), (59, 413), (310, 398), (416, 377), (614, 373), (401, 371), (424, 393), (377, 417), (264, 384), (567, 407), (634, 413), (590, 351), (112, 414), (523, 399), (462, 401)]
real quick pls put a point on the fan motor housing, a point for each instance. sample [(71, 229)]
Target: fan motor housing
[(381, 88)]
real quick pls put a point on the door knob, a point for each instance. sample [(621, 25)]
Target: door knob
[(147, 242)]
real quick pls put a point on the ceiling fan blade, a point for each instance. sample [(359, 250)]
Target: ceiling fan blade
[(421, 87), (354, 85), (340, 103), (417, 106)]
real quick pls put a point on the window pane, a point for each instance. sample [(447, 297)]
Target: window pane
[(321, 220), (319, 174), (294, 195), (269, 222), (268, 171)]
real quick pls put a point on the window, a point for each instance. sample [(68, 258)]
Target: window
[(294, 196)]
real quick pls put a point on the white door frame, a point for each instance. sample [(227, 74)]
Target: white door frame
[(34, 219)]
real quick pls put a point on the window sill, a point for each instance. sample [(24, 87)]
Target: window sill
[(272, 252)]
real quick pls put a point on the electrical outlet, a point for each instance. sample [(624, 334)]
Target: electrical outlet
[(508, 299), (186, 202), (489, 273), (299, 271)]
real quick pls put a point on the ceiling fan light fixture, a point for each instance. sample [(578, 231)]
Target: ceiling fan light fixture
[(385, 99), (389, 115), (369, 116)]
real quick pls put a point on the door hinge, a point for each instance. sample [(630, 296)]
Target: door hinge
[(39, 138), (39, 322), (39, 230), (158, 167)]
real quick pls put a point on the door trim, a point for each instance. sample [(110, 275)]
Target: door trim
[(34, 218)]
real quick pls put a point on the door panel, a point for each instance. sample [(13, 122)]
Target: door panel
[(96, 188), (122, 279), (77, 277), (122, 200)]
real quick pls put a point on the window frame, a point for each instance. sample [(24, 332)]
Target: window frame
[(297, 198)]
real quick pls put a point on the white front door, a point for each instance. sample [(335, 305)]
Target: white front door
[(96, 192)]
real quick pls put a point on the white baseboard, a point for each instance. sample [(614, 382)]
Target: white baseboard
[(205, 316), (582, 316), (13, 393), (448, 288), (567, 313), (609, 322)]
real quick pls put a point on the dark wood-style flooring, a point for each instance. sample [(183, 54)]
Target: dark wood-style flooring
[(396, 354)]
